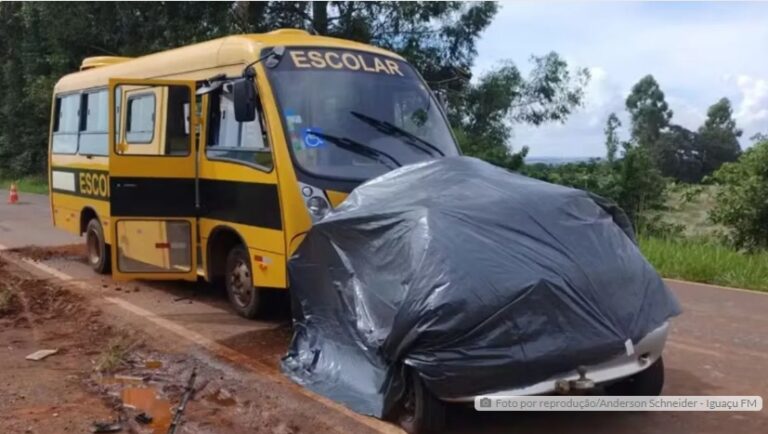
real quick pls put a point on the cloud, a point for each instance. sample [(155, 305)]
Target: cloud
[(752, 111), (698, 52)]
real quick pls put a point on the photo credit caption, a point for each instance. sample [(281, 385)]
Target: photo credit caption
[(619, 403)]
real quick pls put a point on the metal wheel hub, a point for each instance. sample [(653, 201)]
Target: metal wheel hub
[(94, 248), (241, 284)]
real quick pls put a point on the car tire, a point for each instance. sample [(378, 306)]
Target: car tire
[(419, 411), (98, 251), (238, 279), (648, 382)]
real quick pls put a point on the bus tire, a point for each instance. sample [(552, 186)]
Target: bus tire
[(98, 250), (238, 279)]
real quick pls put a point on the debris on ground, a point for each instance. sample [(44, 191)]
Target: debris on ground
[(143, 418), (129, 378), (70, 394), (105, 427), (183, 405), (71, 251), (41, 354)]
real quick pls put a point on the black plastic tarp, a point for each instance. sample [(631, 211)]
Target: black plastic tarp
[(476, 278)]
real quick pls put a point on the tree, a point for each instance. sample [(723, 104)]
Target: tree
[(641, 185), (759, 137), (611, 137), (678, 154), (740, 202), (719, 137), (482, 115), (436, 37), (633, 182), (36, 50), (649, 112)]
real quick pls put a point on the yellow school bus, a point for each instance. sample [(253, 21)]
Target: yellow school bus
[(215, 159)]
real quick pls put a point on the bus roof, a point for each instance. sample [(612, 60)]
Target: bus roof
[(195, 61)]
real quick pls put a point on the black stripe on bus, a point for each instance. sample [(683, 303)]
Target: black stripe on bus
[(248, 203), (156, 197)]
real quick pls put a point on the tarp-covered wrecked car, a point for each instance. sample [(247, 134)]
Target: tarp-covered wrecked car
[(453, 278)]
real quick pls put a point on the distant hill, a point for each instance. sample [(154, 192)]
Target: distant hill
[(556, 161)]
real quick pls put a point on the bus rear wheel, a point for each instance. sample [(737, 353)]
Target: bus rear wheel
[(238, 278), (98, 249)]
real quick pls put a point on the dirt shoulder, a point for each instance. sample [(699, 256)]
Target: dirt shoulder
[(107, 371)]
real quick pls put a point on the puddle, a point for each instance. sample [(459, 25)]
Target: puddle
[(145, 400), (153, 364)]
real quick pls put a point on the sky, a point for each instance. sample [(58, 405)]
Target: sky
[(698, 52)]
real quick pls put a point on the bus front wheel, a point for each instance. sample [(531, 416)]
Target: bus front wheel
[(98, 249), (238, 278)]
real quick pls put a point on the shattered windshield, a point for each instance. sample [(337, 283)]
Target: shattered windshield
[(356, 115)]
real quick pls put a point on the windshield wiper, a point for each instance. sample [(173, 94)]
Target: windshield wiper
[(390, 129), (360, 149)]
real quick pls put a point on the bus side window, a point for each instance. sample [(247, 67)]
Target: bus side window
[(93, 134), (66, 125), (232, 140), (140, 120)]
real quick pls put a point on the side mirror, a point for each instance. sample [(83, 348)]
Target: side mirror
[(244, 95)]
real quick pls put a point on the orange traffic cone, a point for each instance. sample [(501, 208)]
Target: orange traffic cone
[(13, 195)]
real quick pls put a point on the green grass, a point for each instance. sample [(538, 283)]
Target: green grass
[(28, 184), (706, 261), (688, 207)]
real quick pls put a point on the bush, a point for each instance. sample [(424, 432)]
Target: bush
[(633, 182), (741, 204)]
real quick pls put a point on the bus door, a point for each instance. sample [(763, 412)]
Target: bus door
[(153, 179)]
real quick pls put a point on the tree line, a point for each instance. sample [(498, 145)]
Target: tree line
[(635, 172), (40, 42)]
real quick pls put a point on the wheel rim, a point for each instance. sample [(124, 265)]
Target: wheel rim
[(408, 409), (94, 248), (240, 284)]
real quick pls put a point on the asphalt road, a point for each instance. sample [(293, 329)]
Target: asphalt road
[(718, 346), (29, 222)]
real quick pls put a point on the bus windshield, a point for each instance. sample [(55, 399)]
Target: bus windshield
[(355, 115)]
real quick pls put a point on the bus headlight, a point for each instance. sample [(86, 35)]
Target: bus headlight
[(318, 206), (315, 200)]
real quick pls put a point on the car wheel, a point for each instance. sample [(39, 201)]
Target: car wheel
[(419, 411), (238, 278), (648, 382), (98, 250)]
